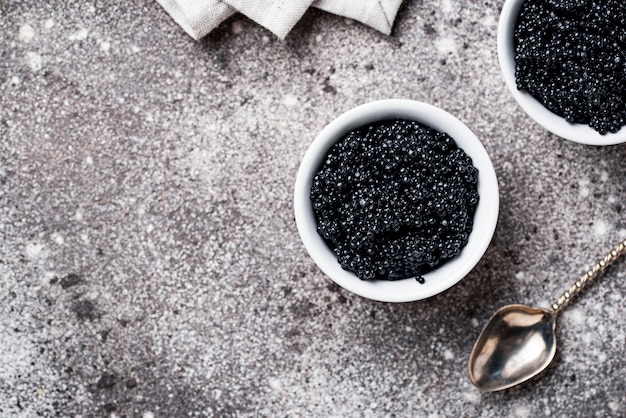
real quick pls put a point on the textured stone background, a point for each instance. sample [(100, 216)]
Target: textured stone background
[(149, 260)]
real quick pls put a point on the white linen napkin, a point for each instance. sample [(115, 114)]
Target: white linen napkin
[(378, 14), (199, 17)]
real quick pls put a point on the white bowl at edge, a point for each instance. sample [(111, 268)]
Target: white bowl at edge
[(554, 123), (448, 274)]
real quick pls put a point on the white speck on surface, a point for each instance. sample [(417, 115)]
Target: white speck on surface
[(613, 406), (489, 21), (575, 315), (521, 411), (604, 176), (105, 46), (520, 275), (290, 100), (265, 39), (599, 227), (147, 414), (237, 27), (57, 238), (48, 24), (473, 397), (149, 228), (34, 250), (274, 383), (448, 354), (217, 393), (583, 188), (89, 160), (26, 33), (446, 6), (474, 322), (34, 61), (79, 35), (446, 46), (79, 214)]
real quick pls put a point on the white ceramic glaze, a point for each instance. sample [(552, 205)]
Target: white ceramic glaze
[(445, 276), (554, 123)]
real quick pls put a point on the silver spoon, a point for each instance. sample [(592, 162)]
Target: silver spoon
[(519, 342)]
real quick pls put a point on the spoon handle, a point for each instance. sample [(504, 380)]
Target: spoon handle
[(591, 275)]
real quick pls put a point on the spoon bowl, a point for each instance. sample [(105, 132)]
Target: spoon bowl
[(517, 343)]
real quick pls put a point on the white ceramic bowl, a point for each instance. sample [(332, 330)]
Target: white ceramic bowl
[(554, 123), (453, 270)]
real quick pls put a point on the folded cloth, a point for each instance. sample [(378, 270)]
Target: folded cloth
[(278, 16), (378, 14), (199, 17)]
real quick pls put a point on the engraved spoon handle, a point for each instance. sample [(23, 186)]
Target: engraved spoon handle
[(591, 275)]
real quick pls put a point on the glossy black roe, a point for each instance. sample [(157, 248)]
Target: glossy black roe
[(395, 199), (571, 56)]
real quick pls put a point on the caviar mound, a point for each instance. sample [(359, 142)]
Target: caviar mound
[(395, 199), (570, 55)]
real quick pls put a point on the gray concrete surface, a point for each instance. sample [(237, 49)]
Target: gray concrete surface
[(149, 261)]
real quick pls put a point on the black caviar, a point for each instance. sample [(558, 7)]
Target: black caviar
[(571, 56), (395, 200)]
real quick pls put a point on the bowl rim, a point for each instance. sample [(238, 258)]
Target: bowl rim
[(576, 132), (445, 276)]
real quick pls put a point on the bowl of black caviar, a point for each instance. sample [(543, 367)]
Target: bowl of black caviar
[(564, 61), (396, 200)]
